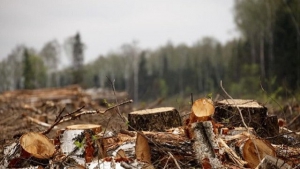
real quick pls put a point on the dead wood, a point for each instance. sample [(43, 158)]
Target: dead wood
[(254, 114), (205, 145), (272, 162), (79, 142), (174, 142), (157, 119), (142, 148), (231, 154), (202, 110)]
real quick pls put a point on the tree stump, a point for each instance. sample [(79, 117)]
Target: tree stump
[(254, 114), (34, 149), (80, 143), (157, 119)]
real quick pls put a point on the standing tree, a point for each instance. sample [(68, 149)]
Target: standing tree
[(75, 48), (78, 57), (28, 72), (50, 55)]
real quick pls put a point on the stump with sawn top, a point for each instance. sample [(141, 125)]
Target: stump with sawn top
[(157, 119)]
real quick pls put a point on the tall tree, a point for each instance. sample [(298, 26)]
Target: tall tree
[(50, 54), (28, 72), (75, 48)]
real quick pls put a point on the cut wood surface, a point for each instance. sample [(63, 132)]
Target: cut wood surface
[(202, 109), (157, 119), (37, 145), (251, 148)]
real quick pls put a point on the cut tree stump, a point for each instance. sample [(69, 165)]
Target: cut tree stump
[(254, 114), (157, 119), (78, 141)]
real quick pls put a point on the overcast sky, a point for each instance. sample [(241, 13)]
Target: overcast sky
[(105, 25)]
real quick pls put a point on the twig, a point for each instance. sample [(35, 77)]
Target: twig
[(120, 104), (176, 163), (192, 100), (243, 121), (37, 121), (57, 120), (131, 134), (116, 99)]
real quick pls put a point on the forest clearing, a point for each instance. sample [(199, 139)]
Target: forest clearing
[(156, 98), (75, 128)]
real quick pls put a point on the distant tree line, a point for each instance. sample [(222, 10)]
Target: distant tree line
[(265, 58)]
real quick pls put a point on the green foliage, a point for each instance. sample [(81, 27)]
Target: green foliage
[(34, 71), (79, 144)]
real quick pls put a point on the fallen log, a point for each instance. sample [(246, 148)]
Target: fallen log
[(174, 142), (250, 148), (205, 144), (157, 119), (272, 162)]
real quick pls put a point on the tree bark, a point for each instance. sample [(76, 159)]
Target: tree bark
[(158, 119)]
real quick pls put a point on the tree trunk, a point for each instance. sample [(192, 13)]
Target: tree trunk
[(254, 115), (158, 119)]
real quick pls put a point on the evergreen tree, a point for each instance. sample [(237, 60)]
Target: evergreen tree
[(28, 72)]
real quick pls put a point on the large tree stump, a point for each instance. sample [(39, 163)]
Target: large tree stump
[(158, 119), (254, 114)]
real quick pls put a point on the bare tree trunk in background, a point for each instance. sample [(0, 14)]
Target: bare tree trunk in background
[(136, 77), (252, 50), (262, 56)]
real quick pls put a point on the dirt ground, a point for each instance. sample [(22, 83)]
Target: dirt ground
[(17, 108)]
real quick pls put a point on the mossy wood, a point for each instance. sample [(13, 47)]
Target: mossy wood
[(157, 119)]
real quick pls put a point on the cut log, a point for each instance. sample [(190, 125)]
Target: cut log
[(174, 142), (142, 148), (253, 149), (273, 163), (37, 145), (79, 143), (289, 154), (33, 149), (254, 115), (158, 119), (202, 110), (205, 145), (231, 154)]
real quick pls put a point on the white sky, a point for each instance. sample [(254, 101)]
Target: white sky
[(105, 25)]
